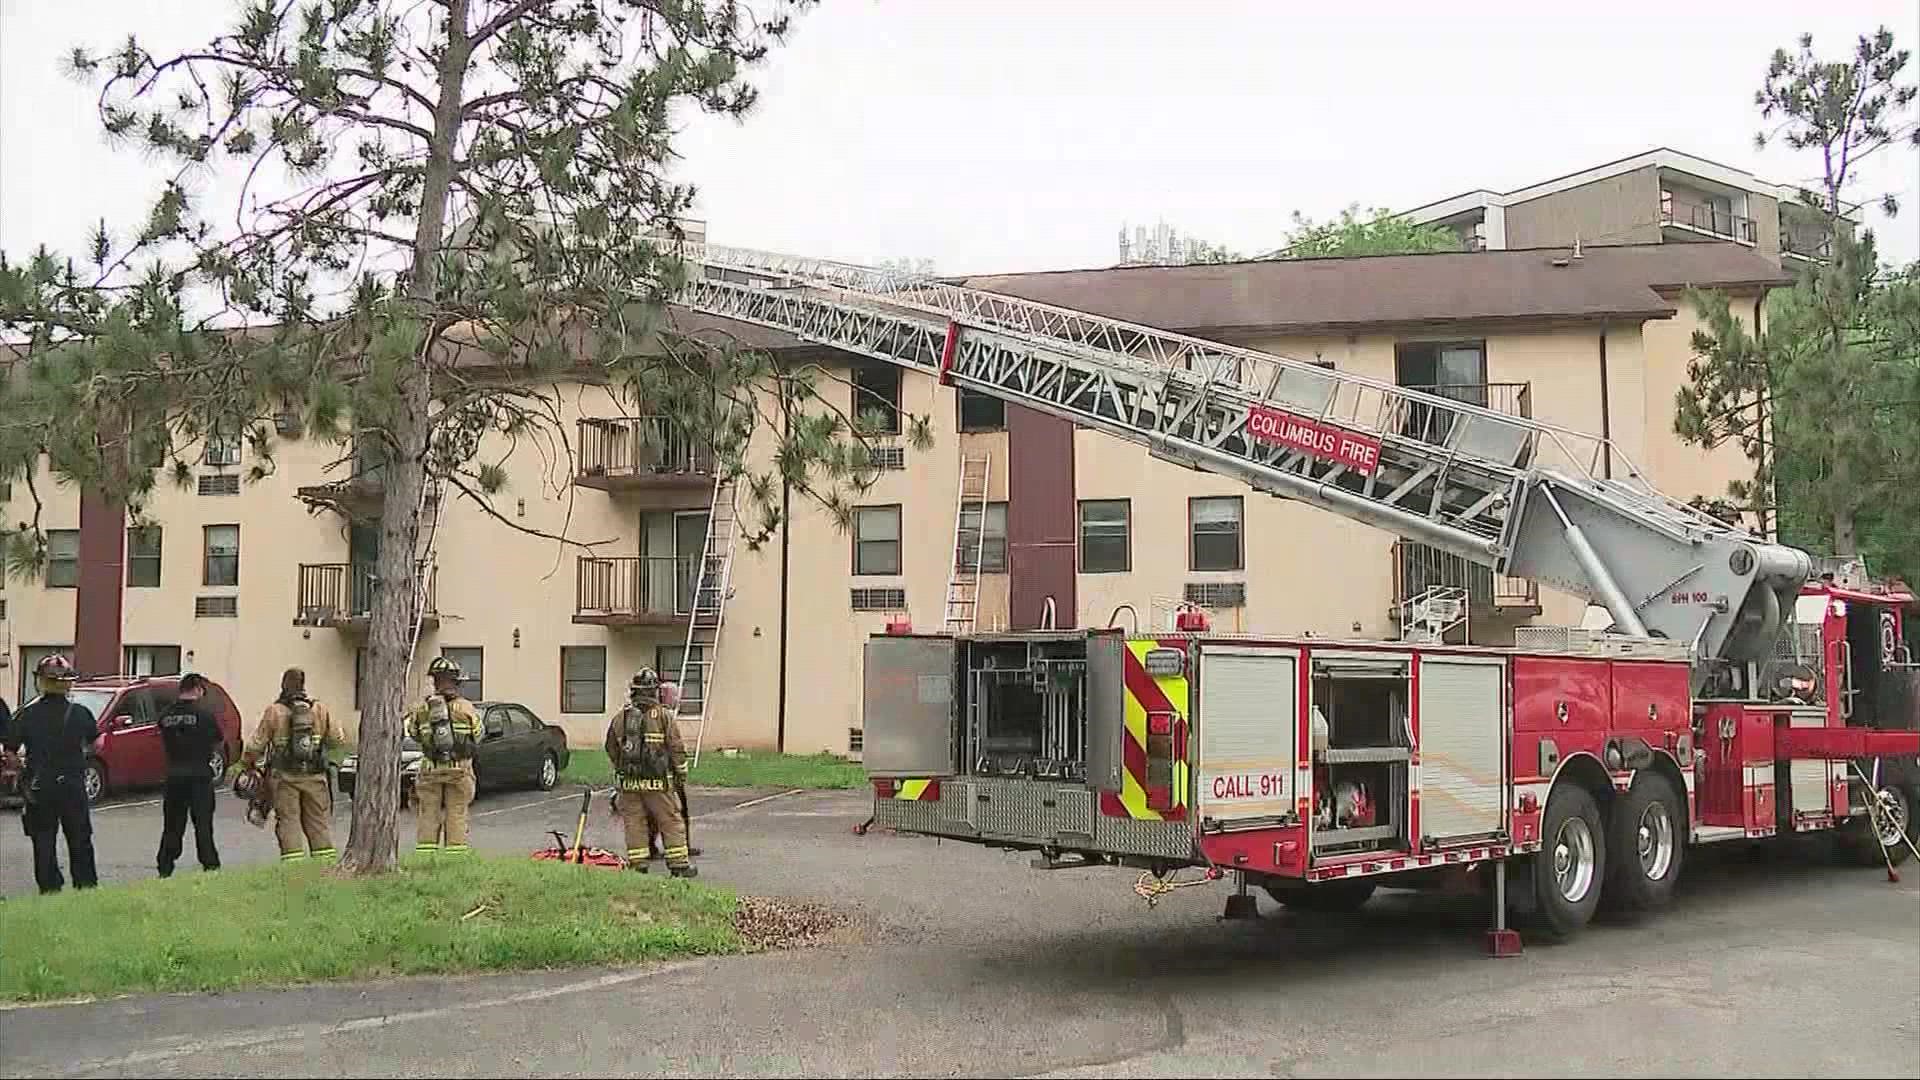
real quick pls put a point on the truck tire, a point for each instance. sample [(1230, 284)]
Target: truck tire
[(1336, 897), (1860, 846), (1646, 840), (1568, 871)]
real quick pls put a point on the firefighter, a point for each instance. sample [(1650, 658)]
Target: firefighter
[(295, 733), (670, 697), (189, 734), (58, 733), (643, 742), (447, 727)]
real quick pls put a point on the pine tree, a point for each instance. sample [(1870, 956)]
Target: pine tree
[(441, 206)]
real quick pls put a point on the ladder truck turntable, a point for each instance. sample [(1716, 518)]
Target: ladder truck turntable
[(1735, 695)]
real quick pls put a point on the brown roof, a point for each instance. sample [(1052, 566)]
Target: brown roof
[(1302, 294)]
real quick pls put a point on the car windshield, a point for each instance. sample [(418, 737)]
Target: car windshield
[(94, 701)]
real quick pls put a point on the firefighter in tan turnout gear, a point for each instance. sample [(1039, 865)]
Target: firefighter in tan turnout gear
[(447, 727), (643, 741), (295, 734)]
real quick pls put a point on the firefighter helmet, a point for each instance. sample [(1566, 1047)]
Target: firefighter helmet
[(443, 667), (645, 681), (56, 667)]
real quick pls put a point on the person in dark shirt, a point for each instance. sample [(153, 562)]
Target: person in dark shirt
[(189, 733), (57, 733)]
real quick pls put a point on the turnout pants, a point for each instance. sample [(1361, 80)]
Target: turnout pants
[(656, 810), (60, 806), (302, 816), (444, 795), (187, 797)]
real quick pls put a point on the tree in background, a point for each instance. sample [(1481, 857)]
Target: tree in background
[(1380, 232), (442, 207), (1825, 400)]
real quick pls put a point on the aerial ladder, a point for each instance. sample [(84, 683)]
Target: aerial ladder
[(1527, 498)]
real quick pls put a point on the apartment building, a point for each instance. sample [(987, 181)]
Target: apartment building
[(1659, 197), (241, 579)]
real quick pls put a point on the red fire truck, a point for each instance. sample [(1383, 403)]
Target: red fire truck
[(1730, 692)]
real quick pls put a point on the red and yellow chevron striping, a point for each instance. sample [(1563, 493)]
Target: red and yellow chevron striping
[(1155, 777)]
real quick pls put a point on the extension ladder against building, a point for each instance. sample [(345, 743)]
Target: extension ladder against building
[(969, 544), (708, 614), (1528, 498)]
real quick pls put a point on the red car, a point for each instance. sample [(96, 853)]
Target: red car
[(127, 709)]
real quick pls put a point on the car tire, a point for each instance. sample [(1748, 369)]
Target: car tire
[(93, 780), (1571, 865), (549, 772), (1646, 842)]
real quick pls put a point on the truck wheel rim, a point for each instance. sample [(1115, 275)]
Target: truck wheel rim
[(1655, 841), (1573, 860), (1893, 818), (547, 776)]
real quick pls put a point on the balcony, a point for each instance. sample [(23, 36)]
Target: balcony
[(1417, 568), (1811, 245), (358, 497), (1704, 219), (633, 590), (640, 453), (340, 596)]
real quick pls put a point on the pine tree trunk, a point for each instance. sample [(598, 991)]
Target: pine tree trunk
[(372, 845), (1844, 544)]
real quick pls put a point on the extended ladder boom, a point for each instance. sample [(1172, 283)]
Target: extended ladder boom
[(1522, 496)]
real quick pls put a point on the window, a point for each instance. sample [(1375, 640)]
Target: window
[(63, 558), (520, 721), (150, 660), (876, 540), (992, 547), (222, 450), (31, 655), (221, 547), (1104, 546), (143, 557), (1456, 370), (667, 661), (583, 678), (876, 398), (1214, 534), (472, 663), (982, 412)]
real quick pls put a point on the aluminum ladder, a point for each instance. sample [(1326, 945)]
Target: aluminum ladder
[(969, 544), (1528, 498), (712, 586)]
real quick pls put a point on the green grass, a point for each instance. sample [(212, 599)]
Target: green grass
[(282, 925), (743, 770)]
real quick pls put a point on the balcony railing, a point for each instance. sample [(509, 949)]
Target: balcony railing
[(1705, 217), (633, 590), (1435, 423), (1807, 243), (1417, 568), (341, 595), (627, 452)]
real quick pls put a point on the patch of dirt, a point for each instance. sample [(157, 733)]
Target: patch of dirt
[(770, 923)]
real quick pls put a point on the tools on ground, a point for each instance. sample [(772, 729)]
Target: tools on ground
[(578, 852)]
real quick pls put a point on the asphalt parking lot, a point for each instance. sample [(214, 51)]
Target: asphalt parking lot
[(966, 962)]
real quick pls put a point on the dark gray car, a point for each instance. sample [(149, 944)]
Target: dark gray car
[(517, 750)]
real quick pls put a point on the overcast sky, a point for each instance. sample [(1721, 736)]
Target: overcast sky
[(1020, 134)]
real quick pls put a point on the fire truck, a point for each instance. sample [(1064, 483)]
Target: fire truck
[(1731, 692)]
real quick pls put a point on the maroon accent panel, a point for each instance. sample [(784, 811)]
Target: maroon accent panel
[(103, 542), (1042, 519)]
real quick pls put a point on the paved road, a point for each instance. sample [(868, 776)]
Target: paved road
[(967, 963)]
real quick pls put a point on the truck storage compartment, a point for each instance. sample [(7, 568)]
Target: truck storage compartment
[(1026, 708), (1362, 745)]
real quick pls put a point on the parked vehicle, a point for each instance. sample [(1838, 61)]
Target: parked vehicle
[(517, 750), (127, 710)]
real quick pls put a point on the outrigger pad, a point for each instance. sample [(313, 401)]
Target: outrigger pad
[(1503, 943), (1242, 906)]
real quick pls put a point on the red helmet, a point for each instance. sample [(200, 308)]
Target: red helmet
[(55, 667)]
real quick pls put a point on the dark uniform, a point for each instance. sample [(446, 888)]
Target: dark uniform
[(57, 732), (190, 735)]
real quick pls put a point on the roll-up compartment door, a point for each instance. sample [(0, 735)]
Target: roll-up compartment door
[(1248, 731), (1106, 710), (1462, 746), (907, 707)]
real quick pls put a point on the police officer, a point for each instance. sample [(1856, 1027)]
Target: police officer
[(643, 741), (189, 734), (447, 727), (58, 733), (295, 733)]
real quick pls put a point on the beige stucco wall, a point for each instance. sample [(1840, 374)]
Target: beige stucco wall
[(1622, 209), (1306, 570)]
